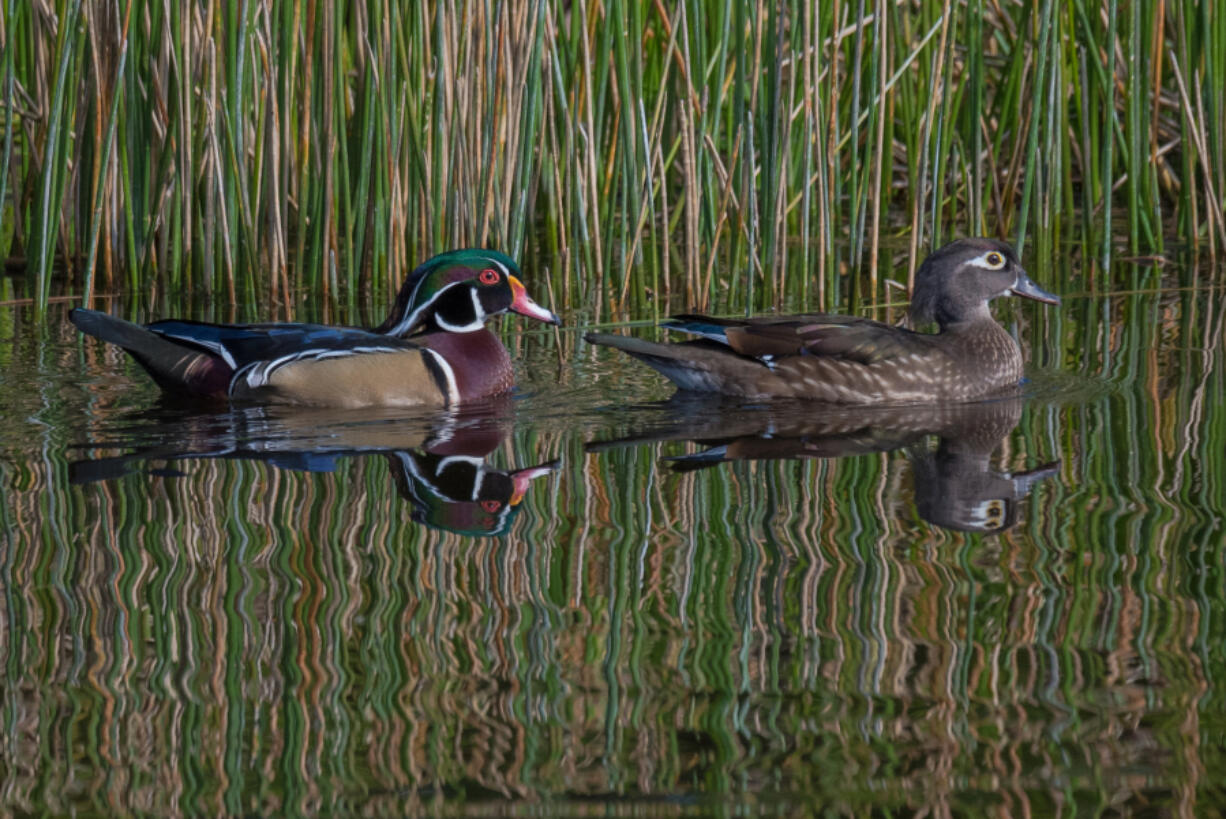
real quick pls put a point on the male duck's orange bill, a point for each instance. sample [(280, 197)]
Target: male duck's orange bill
[(523, 304)]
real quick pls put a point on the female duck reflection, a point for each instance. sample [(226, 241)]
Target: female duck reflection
[(440, 464), (955, 484)]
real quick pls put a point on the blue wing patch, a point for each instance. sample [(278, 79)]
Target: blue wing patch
[(703, 329)]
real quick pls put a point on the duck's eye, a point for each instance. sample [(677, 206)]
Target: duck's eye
[(491, 506), (488, 276), (994, 260)]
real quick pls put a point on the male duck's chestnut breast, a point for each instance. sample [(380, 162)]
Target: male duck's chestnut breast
[(476, 364)]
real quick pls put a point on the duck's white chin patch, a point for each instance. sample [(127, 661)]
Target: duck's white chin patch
[(471, 327)]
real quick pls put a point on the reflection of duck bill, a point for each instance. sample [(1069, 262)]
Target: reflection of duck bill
[(460, 493), (523, 478)]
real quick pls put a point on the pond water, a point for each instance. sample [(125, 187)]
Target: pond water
[(595, 598)]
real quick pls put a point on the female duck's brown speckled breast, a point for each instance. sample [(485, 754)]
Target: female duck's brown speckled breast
[(962, 364)]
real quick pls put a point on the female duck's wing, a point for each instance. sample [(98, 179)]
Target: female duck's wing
[(849, 338)]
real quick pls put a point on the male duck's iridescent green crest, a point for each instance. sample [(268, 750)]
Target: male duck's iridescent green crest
[(457, 291), (852, 360), (432, 350)]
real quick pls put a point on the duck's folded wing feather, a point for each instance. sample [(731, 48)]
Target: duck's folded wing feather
[(778, 333), (241, 344), (848, 338)]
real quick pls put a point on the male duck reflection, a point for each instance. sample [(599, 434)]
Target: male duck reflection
[(460, 492), (439, 463), (851, 360), (432, 350), (956, 486)]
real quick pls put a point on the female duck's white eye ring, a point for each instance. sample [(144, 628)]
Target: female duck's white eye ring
[(488, 276), (994, 260)]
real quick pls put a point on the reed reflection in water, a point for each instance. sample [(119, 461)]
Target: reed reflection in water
[(212, 626)]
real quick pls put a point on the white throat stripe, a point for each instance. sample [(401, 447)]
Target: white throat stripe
[(453, 391), (476, 324)]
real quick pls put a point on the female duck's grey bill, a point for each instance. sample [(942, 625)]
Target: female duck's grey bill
[(1025, 286)]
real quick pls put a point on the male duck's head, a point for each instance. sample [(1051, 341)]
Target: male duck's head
[(956, 282), (457, 291)]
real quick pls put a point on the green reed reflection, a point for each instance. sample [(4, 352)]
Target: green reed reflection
[(226, 635)]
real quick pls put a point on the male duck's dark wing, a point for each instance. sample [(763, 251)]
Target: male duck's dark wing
[(848, 338), (244, 344)]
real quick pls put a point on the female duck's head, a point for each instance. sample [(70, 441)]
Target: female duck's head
[(956, 282)]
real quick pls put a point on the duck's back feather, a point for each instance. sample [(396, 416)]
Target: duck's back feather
[(242, 344), (848, 338)]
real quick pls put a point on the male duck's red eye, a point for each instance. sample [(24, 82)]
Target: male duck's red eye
[(489, 276), (491, 506)]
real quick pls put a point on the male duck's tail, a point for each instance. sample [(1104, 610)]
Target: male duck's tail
[(178, 369)]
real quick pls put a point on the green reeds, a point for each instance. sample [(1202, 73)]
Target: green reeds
[(637, 151)]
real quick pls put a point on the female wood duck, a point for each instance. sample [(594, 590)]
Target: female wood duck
[(851, 360), (432, 350)]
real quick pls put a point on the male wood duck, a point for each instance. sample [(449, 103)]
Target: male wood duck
[(852, 360), (433, 349)]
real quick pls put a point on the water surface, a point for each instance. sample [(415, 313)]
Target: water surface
[(598, 596)]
